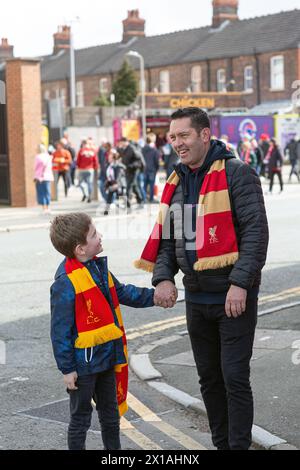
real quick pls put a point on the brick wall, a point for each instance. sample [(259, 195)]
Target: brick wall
[(23, 84)]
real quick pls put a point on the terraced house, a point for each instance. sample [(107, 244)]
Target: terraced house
[(230, 64)]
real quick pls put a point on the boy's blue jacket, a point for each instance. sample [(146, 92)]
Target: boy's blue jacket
[(63, 326)]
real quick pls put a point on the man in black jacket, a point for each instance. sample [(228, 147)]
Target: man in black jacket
[(134, 164), (221, 304)]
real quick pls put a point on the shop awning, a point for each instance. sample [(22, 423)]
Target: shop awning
[(272, 107)]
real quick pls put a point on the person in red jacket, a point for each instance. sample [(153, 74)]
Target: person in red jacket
[(61, 162), (87, 163)]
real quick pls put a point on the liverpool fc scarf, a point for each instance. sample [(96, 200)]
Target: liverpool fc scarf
[(216, 243), (95, 320)]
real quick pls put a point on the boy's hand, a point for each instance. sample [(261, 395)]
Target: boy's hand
[(165, 294), (70, 381)]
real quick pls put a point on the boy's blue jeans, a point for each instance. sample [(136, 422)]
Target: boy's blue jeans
[(102, 388)]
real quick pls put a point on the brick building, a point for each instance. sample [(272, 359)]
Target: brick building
[(229, 64)]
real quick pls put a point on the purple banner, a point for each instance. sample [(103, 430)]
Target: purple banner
[(236, 127)]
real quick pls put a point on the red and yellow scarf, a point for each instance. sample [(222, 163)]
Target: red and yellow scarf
[(95, 320), (216, 243)]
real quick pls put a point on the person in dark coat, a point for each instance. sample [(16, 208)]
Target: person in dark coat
[(151, 156), (134, 164), (291, 149), (275, 164), (221, 293)]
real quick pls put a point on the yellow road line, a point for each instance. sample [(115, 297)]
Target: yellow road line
[(283, 294), (145, 332), (137, 437), (149, 416), (179, 436), (156, 323)]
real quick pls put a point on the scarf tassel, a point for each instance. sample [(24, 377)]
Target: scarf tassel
[(144, 265), (90, 339), (216, 262)]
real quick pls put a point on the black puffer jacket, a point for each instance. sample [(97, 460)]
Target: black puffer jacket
[(251, 229)]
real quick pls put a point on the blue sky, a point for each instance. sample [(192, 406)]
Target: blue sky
[(30, 25)]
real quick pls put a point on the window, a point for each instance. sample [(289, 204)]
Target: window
[(196, 77), (103, 85), (63, 97), (164, 81), (277, 73), (47, 95), (248, 78), (80, 94), (221, 80)]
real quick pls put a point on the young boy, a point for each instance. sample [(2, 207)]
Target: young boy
[(87, 331)]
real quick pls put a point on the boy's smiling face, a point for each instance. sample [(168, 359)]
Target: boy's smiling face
[(93, 246)]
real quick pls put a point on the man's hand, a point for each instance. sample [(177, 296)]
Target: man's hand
[(235, 302), (70, 381), (165, 294)]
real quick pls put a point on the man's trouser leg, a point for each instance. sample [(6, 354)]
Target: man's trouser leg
[(222, 349), (205, 340)]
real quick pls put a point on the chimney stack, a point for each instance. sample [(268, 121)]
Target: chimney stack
[(133, 26), (6, 51), (62, 39), (224, 10)]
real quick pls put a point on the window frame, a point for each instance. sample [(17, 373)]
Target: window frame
[(223, 82), (196, 85), (274, 73), (165, 88), (247, 78)]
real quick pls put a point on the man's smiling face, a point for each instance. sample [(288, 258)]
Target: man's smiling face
[(191, 146)]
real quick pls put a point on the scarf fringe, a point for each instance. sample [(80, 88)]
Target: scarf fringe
[(216, 262), (123, 408), (90, 339), (144, 265)]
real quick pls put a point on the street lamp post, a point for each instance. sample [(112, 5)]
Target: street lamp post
[(143, 89), (72, 64), (72, 71)]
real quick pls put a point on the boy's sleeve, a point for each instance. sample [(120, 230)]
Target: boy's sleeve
[(132, 296), (63, 324)]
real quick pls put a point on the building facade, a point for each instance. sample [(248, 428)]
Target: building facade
[(230, 64)]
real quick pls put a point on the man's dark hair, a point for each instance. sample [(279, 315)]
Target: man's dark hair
[(69, 230), (124, 139), (199, 118)]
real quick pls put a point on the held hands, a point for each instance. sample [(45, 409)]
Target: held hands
[(70, 381), (235, 302), (165, 294)]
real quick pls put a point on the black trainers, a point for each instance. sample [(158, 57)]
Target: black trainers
[(84, 198)]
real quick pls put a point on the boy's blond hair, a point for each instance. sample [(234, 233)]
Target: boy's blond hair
[(68, 231)]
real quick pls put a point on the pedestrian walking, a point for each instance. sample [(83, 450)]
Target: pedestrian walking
[(133, 163), (248, 155), (115, 180), (43, 176), (216, 233), (103, 153), (61, 162), (87, 163), (68, 146), (275, 160), (152, 157), (291, 150), (87, 331)]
